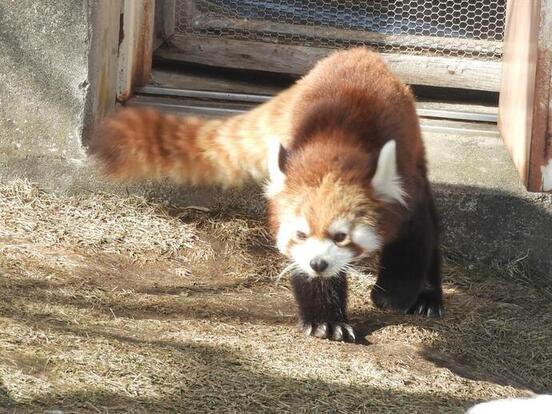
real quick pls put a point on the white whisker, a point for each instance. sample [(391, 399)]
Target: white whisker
[(379, 287), (351, 270), (286, 269)]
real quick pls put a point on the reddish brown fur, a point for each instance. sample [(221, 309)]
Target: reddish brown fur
[(333, 124), (347, 108), (334, 121), (138, 143)]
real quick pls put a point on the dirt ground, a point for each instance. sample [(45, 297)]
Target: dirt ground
[(111, 304)]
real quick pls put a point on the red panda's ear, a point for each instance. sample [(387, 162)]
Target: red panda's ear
[(277, 163), (282, 159), (387, 182)]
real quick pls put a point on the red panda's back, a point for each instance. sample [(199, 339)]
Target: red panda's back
[(362, 90)]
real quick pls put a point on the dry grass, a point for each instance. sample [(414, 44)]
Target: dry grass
[(96, 222), (114, 304)]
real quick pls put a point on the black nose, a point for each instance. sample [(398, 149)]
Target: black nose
[(318, 265)]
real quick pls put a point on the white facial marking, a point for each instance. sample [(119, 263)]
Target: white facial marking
[(386, 181), (336, 257), (288, 229), (276, 178), (365, 237), (340, 225)]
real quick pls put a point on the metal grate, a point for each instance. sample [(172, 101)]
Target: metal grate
[(465, 28)]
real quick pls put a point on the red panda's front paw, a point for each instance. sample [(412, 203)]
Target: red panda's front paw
[(429, 303), (335, 331)]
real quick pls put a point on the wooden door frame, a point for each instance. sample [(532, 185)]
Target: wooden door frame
[(120, 54), (124, 37), (136, 41), (525, 99)]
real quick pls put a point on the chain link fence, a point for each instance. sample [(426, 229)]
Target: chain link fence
[(463, 28)]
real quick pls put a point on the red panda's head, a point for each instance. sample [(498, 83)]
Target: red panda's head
[(325, 204)]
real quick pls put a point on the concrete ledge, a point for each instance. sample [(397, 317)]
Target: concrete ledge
[(498, 227), (486, 212)]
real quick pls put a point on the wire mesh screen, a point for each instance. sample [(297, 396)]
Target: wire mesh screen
[(465, 28)]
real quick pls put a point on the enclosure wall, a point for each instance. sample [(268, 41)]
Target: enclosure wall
[(44, 81), (55, 80)]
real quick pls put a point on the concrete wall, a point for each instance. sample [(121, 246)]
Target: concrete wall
[(43, 84), (57, 76), (486, 212)]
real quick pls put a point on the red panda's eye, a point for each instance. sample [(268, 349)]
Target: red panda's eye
[(301, 235), (339, 237)]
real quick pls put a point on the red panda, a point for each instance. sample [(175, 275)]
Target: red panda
[(346, 169)]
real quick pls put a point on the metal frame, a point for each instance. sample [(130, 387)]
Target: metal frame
[(254, 98)]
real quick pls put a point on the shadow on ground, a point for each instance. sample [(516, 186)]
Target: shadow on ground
[(108, 333), (5, 400), (482, 338), (221, 382)]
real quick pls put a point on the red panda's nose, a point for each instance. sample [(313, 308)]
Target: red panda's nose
[(318, 265)]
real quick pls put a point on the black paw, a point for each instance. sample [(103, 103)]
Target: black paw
[(335, 331), (395, 301), (429, 303), (380, 298)]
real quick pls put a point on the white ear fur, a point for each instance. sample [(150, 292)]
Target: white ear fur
[(276, 178), (386, 180)]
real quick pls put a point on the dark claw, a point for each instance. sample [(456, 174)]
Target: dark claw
[(322, 331), (428, 304), (335, 331)]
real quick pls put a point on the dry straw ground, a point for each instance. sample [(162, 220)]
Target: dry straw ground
[(112, 304)]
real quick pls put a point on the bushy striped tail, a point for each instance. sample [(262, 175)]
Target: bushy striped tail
[(137, 143)]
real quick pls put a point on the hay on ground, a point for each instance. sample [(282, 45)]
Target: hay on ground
[(112, 304)]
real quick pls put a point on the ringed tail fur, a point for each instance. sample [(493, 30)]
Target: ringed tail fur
[(143, 143)]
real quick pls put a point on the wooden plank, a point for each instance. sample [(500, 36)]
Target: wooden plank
[(540, 160), (457, 127), (136, 46), (103, 61), (269, 57), (524, 107), (518, 80), (457, 106), (448, 72), (194, 78), (428, 110), (268, 28)]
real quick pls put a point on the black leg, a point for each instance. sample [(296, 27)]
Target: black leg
[(322, 304), (410, 267), (430, 299)]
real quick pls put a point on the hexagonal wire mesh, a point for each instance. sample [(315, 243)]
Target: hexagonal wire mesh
[(466, 28)]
